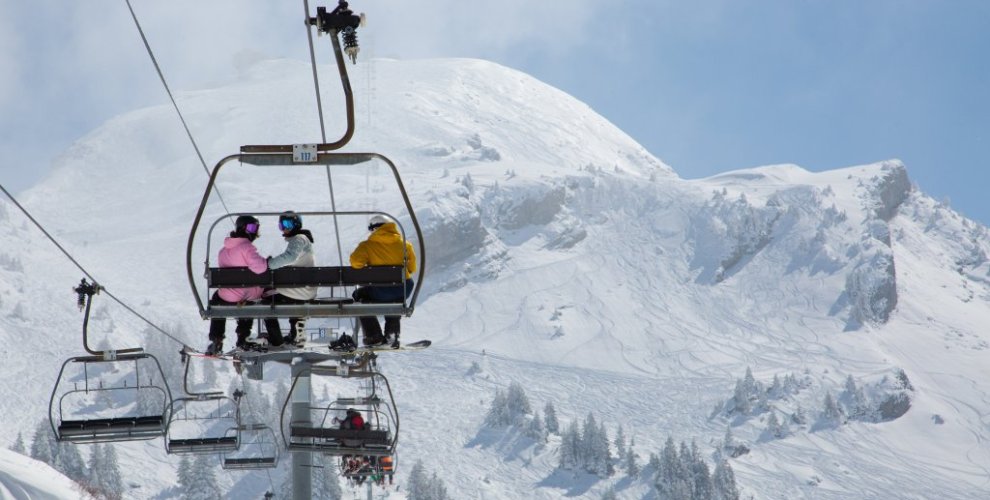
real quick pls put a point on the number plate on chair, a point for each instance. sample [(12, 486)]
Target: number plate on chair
[(304, 153)]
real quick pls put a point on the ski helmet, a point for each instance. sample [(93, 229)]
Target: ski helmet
[(289, 221), (247, 225), (376, 221)]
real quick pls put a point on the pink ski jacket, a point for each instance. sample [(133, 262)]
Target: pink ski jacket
[(240, 252)]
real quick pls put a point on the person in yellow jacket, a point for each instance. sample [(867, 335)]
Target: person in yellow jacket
[(384, 247)]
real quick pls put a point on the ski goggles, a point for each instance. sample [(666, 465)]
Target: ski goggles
[(286, 224), (251, 228)]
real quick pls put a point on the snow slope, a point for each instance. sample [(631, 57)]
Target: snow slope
[(22, 478), (561, 255)]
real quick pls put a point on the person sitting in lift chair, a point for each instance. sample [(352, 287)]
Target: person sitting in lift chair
[(299, 253), (384, 247), (238, 251)]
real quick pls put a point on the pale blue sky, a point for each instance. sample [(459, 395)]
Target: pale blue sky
[(707, 86)]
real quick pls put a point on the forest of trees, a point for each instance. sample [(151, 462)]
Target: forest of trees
[(675, 474)]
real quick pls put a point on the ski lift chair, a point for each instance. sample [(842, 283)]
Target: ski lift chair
[(259, 449), (202, 422), (336, 278), (108, 396), (323, 434)]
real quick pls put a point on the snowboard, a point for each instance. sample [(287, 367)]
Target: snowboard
[(412, 346)]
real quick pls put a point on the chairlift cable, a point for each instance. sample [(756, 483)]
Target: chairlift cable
[(84, 271), (175, 105)]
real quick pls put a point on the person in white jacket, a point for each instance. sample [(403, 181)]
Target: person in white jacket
[(299, 253)]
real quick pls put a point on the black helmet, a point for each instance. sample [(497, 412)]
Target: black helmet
[(289, 221), (247, 226)]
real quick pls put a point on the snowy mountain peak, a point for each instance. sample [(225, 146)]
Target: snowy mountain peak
[(562, 256)]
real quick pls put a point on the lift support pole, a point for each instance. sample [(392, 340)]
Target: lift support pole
[(302, 461)]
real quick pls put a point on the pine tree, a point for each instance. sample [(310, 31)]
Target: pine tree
[(620, 442), (570, 445), (498, 412), (326, 480), (672, 480), (517, 402), (700, 476), (69, 462), (203, 484), (18, 445), (96, 457), (438, 490), (603, 455), (41, 444), (536, 430), (185, 474), (776, 388), (799, 417), (632, 468), (419, 485), (774, 429), (740, 398), (113, 483), (550, 414), (830, 410), (587, 446), (724, 482)]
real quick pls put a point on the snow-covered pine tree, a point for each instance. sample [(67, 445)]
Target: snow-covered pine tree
[(799, 416), (203, 480), (418, 487), (653, 463), (776, 388), (587, 452), (774, 429), (701, 479), (438, 490), (68, 461), (517, 402), (673, 478), (498, 412), (18, 445), (113, 483), (326, 480), (629, 460), (185, 474), (570, 444), (550, 415), (740, 398), (724, 482), (96, 457), (831, 413), (42, 448), (603, 455), (620, 442), (535, 428)]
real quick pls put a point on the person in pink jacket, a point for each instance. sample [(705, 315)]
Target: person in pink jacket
[(238, 251)]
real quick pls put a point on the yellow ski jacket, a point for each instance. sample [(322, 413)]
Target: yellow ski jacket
[(384, 248)]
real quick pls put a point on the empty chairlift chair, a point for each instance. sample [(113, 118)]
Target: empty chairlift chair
[(108, 396), (203, 422), (259, 449)]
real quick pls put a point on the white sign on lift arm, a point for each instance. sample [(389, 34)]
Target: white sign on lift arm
[(304, 153)]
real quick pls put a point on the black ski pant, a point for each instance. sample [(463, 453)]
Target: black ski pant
[(218, 326), (271, 324)]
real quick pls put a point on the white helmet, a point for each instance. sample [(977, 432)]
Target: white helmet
[(376, 221)]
